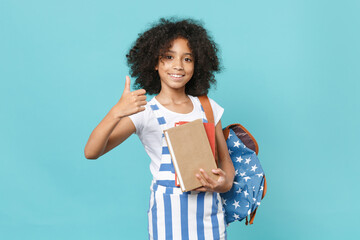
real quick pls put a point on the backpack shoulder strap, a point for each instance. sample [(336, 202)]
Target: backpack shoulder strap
[(205, 103)]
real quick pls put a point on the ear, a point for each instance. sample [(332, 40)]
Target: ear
[(157, 64)]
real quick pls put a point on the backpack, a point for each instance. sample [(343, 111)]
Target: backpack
[(249, 186)]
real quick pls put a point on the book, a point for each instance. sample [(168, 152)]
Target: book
[(190, 150), (210, 132)]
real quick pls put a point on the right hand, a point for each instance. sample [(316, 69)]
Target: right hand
[(130, 102)]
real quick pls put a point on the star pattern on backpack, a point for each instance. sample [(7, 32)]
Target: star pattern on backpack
[(246, 194)]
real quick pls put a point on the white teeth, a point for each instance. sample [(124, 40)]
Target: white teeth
[(173, 75)]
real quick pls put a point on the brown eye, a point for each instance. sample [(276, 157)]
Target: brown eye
[(188, 59), (168, 57)]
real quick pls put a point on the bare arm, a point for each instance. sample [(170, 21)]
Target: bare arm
[(225, 162), (225, 171), (116, 126)]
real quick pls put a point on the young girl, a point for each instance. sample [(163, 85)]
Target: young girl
[(174, 59)]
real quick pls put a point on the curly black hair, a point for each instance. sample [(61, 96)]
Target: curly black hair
[(154, 42)]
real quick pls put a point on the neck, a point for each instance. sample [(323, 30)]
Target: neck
[(172, 96)]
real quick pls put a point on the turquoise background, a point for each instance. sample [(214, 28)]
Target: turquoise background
[(291, 76)]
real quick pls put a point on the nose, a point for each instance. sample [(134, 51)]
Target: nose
[(178, 64)]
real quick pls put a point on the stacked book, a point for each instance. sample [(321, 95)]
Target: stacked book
[(192, 146)]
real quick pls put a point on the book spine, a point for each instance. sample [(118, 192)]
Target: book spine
[(174, 161)]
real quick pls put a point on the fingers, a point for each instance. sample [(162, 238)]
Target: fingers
[(139, 92), (205, 187), (127, 84), (205, 180), (141, 98), (128, 90), (131, 102), (208, 183), (142, 103), (200, 189), (219, 172), (141, 109)]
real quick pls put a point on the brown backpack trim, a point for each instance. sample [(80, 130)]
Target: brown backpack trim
[(241, 133), (205, 103), (252, 215)]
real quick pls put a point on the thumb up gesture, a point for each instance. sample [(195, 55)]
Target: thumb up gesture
[(130, 102)]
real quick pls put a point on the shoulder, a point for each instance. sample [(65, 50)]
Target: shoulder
[(217, 109), (213, 103)]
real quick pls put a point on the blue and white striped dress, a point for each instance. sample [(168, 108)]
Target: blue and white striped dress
[(176, 215)]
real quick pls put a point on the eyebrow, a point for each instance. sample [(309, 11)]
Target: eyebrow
[(175, 52)]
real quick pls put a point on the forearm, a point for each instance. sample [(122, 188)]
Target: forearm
[(224, 159), (98, 139), (227, 166), (129, 103)]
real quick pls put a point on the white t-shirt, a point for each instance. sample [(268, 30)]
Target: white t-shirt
[(149, 130)]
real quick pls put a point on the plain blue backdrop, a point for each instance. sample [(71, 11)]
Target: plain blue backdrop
[(291, 76)]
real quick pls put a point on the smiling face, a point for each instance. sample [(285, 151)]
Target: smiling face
[(176, 66)]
